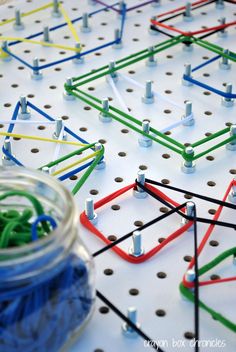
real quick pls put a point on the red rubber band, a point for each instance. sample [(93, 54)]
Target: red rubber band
[(135, 260), (181, 8), (189, 34)]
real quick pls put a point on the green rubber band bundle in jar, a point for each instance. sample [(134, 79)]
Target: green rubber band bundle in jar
[(46, 273)]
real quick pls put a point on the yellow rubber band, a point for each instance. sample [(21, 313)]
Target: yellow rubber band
[(36, 138), (74, 164), (28, 13), (69, 23), (71, 48)]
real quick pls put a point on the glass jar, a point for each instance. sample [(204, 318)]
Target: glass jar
[(47, 286)]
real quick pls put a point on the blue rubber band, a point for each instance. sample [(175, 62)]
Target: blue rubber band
[(206, 63), (211, 89), (39, 219)]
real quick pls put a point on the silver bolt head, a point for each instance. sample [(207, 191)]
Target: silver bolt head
[(184, 222), (85, 29), (131, 251), (220, 6), (146, 100), (68, 96), (152, 31), (78, 61), (101, 165), (128, 332), (188, 18), (144, 142), (187, 48), (24, 116), (227, 102), (155, 4), (139, 194), (64, 137), (231, 146), (104, 118), (223, 66), (115, 78), (118, 45), (222, 34), (232, 197), (7, 162), (186, 83), (36, 76), (18, 27), (188, 169), (56, 14), (152, 63), (94, 220), (190, 122)]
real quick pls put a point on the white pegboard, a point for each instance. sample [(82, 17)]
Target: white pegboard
[(103, 333)]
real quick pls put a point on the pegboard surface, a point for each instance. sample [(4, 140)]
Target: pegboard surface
[(153, 286)]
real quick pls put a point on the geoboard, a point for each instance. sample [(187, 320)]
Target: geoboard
[(132, 104)]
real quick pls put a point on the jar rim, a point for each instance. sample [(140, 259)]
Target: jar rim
[(68, 214)]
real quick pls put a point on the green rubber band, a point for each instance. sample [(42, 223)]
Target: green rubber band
[(186, 292)]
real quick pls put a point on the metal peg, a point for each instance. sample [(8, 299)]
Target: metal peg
[(232, 194), (190, 209), (56, 13), (85, 28), (156, 3), (78, 60), (188, 114), (102, 164), (58, 129), (36, 74), (190, 275), (67, 95), (187, 16), (150, 30), (139, 192), (89, 211), (148, 97), (127, 330), (18, 25), (114, 74), (145, 141), (223, 33), (136, 250), (224, 62), (188, 166), (220, 4), (118, 41), (228, 102), (46, 35), (187, 72), (151, 61), (104, 116), (232, 144), (24, 113), (6, 161)]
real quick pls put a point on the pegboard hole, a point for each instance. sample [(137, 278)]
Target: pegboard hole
[(108, 272), (187, 258), (112, 238), (161, 275), (211, 183), (160, 312), (134, 292), (214, 243), (115, 207), (119, 179), (138, 223), (189, 335), (163, 209), (122, 154), (104, 310), (93, 192), (34, 150)]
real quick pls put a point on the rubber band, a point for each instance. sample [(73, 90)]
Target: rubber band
[(25, 14), (30, 41), (41, 139), (74, 164), (69, 23), (41, 218), (117, 94)]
